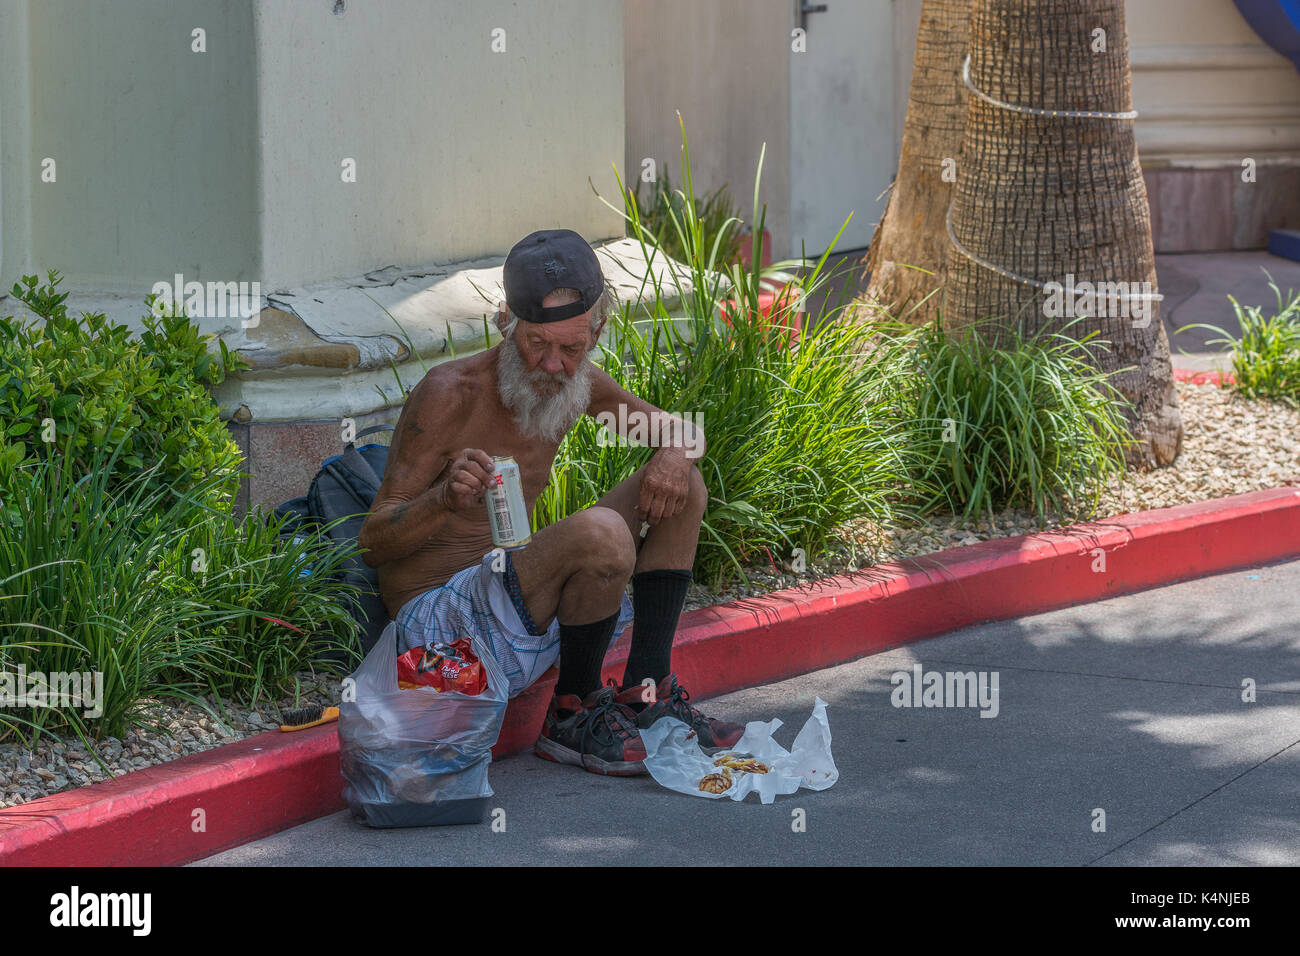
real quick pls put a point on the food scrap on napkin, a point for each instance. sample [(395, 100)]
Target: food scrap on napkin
[(756, 764)]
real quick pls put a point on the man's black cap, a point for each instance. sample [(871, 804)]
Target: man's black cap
[(545, 261)]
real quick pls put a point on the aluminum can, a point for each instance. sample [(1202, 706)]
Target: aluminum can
[(507, 510)]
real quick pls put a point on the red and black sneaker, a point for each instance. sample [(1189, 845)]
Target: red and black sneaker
[(597, 734), (670, 701)]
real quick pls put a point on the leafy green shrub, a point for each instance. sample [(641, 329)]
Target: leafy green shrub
[(1031, 424), (1266, 356), (801, 437), (97, 384), (118, 550)]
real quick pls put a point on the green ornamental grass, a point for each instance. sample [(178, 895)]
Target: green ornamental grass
[(1266, 355), (1034, 424), (802, 435), (278, 604), (82, 590), (716, 212), (168, 599)]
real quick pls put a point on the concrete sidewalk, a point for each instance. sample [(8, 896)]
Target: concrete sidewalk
[(1131, 705), (1196, 286)]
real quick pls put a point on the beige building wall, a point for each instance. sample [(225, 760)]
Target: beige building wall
[(153, 145), (1211, 95), (227, 165), (1208, 90), (459, 151), (720, 63), (15, 155)]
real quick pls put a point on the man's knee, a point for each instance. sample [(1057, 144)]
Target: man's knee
[(605, 543), (697, 495)]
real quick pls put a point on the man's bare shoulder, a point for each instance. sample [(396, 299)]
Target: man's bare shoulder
[(449, 388), (430, 424), (607, 395), (605, 392)]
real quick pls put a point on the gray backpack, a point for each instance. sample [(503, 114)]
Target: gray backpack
[(345, 487)]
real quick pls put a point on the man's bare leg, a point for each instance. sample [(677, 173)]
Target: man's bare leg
[(659, 585), (672, 542), (579, 567), (576, 569), (660, 579)]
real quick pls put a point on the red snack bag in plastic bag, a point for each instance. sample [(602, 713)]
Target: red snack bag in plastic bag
[(443, 667)]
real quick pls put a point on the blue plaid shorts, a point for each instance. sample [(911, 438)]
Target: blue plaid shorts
[(487, 602)]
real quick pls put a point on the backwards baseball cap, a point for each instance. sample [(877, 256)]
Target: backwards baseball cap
[(547, 260)]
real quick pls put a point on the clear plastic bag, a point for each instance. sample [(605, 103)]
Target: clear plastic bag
[(675, 760), (418, 757)]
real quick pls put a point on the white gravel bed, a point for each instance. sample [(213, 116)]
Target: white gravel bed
[(65, 764)]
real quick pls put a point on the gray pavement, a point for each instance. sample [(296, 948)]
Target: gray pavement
[(1196, 286), (1131, 705)]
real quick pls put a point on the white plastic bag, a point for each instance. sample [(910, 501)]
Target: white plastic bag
[(418, 757), (677, 762)]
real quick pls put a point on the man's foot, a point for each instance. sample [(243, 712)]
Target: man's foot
[(670, 701), (597, 734)]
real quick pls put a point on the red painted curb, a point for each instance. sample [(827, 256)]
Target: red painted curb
[(268, 783), (1223, 379), (245, 790)]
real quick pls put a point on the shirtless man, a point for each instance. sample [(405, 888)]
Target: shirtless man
[(564, 594)]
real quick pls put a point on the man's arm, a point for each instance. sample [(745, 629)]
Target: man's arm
[(418, 494), (661, 429), (665, 483)]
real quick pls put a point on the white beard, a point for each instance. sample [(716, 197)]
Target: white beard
[(545, 416)]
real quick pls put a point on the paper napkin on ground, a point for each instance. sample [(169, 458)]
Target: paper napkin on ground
[(678, 763)]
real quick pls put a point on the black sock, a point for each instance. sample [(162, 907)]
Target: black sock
[(657, 598), (582, 652)]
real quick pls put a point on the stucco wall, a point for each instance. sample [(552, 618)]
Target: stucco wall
[(15, 133), (724, 66), (1211, 94), (1207, 89), (460, 151), (153, 144), (226, 165)]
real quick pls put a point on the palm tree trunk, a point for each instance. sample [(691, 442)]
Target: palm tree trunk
[(1046, 199), (907, 250)]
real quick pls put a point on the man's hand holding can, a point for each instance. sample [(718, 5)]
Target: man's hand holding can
[(467, 480)]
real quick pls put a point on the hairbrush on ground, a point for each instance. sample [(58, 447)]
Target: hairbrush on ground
[(305, 717)]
